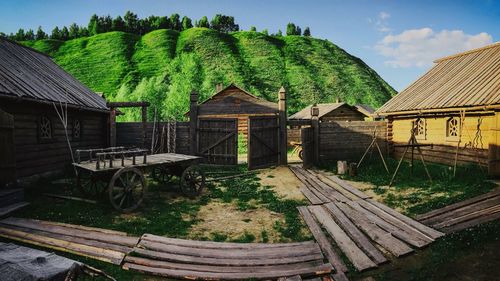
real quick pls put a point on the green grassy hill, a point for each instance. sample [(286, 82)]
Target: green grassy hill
[(164, 66)]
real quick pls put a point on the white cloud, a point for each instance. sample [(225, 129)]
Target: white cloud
[(384, 15), (380, 22), (420, 47)]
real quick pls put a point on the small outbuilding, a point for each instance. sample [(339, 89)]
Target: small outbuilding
[(456, 107), (235, 102), (32, 136), (340, 111)]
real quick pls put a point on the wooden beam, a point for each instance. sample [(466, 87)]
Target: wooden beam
[(193, 123), (282, 124), (128, 104), (315, 126)]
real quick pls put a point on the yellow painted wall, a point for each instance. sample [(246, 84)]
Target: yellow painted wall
[(494, 147), (436, 130), (444, 150)]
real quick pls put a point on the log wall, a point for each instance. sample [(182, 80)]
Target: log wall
[(130, 134), (443, 149), (35, 156), (349, 140)]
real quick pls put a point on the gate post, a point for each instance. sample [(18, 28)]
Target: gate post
[(112, 127), (282, 124), (315, 126), (193, 123)]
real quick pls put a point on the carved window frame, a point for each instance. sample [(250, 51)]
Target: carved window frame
[(452, 128), (421, 128), (45, 129), (77, 129)]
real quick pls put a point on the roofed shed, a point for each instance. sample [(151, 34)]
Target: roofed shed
[(340, 111), (456, 107), (32, 138), (234, 102)]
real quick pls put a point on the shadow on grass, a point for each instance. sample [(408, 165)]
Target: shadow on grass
[(413, 192)]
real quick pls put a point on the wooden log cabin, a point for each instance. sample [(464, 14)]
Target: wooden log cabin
[(329, 112), (32, 137), (235, 102), (456, 107), (339, 111)]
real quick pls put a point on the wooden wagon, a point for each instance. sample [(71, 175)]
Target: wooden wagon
[(121, 173)]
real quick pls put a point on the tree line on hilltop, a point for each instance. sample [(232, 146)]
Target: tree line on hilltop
[(131, 23)]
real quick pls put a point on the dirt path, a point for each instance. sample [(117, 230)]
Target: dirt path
[(283, 182), (225, 220)]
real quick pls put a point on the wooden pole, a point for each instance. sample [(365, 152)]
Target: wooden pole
[(193, 123), (144, 126), (112, 127), (282, 120), (315, 126)]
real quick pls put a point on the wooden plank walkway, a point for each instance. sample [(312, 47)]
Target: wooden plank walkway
[(465, 214), (177, 258), (174, 258), (101, 244), (367, 232)]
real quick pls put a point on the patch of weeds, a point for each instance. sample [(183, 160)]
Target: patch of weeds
[(245, 238), (419, 191), (247, 192), (218, 237), (379, 190), (265, 236)]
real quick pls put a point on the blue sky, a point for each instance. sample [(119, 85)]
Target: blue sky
[(399, 39)]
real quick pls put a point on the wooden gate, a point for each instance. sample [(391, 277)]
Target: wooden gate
[(7, 155), (263, 142), (307, 140), (218, 140)]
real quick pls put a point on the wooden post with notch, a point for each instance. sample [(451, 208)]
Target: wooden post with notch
[(112, 127), (144, 126), (193, 123), (282, 124), (315, 126)]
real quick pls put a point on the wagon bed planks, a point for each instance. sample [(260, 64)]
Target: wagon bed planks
[(151, 160), (105, 245), (465, 214)]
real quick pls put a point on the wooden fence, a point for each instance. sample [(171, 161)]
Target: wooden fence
[(349, 140), (131, 134)]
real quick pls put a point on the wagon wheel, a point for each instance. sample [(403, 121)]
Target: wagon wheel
[(127, 189), (89, 185), (192, 181), (301, 154), (162, 174)]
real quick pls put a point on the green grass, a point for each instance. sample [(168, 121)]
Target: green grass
[(312, 70), (414, 193), (165, 212), (470, 254)]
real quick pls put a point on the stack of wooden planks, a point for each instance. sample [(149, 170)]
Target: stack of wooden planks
[(367, 232), (187, 259), (101, 244), (465, 214)]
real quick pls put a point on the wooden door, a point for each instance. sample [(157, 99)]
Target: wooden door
[(218, 140), (7, 154), (263, 142)]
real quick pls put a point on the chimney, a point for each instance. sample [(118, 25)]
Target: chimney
[(218, 87)]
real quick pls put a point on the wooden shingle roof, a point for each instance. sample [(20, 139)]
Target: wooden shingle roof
[(325, 108), (463, 80), (29, 74)]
